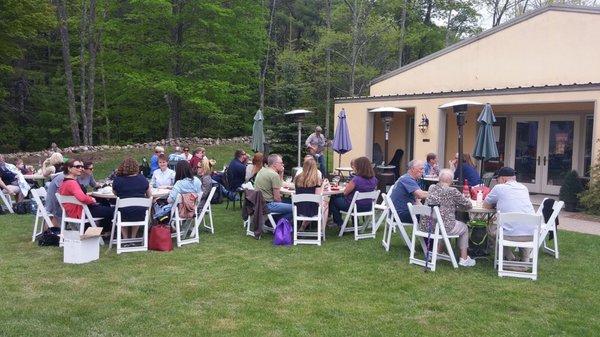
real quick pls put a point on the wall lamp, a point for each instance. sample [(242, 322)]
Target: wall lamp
[(424, 125)]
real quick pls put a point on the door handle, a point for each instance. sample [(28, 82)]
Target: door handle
[(544, 160), (538, 160)]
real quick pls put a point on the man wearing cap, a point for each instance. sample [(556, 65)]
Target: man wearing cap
[(510, 196), (315, 143)]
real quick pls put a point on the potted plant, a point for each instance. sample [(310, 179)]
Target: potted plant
[(570, 190)]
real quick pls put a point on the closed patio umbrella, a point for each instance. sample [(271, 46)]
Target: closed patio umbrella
[(258, 135), (341, 139), (485, 143)]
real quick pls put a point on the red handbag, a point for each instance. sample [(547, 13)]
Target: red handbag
[(160, 238), (484, 189)]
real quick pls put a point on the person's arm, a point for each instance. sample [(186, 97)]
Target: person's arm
[(3, 186), (75, 190), (276, 194), (420, 194), (349, 187), (491, 199), (173, 194), (461, 201), (153, 179)]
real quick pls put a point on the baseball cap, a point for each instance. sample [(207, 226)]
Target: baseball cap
[(505, 172)]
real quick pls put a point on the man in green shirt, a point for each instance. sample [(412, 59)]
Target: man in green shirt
[(269, 181)]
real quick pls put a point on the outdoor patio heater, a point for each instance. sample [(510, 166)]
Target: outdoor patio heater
[(299, 115), (460, 108), (387, 115)]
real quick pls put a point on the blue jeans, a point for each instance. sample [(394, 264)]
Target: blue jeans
[(321, 162), (284, 209), (338, 204)]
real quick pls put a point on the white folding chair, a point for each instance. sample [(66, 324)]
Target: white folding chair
[(207, 209), (268, 226), (84, 218), (383, 207), (179, 222), (550, 227), (42, 217), (7, 200), (118, 224), (356, 215), (311, 198), (437, 233), (392, 224), (532, 224)]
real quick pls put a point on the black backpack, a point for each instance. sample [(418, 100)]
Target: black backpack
[(25, 207), (217, 197), (49, 237)]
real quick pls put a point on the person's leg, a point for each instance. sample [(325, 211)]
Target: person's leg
[(281, 208), (460, 229), (104, 212), (525, 252), (321, 161), (336, 205)]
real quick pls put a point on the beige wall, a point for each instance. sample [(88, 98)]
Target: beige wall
[(554, 47), (398, 132), (361, 123)]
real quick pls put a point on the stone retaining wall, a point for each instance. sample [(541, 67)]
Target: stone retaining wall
[(196, 141)]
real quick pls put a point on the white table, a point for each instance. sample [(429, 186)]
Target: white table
[(157, 193), (36, 176), (289, 191)]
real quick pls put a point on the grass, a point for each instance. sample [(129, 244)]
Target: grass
[(233, 285)]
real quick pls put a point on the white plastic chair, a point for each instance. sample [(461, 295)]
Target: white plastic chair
[(207, 209), (7, 200), (312, 198), (178, 223), (118, 224), (41, 216), (438, 232), (532, 224), (355, 214), (383, 207), (84, 218), (392, 224), (550, 227)]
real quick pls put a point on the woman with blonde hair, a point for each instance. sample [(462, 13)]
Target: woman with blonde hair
[(469, 171), (204, 171), (308, 182), (52, 164)]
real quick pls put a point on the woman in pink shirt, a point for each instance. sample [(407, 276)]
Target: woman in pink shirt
[(70, 187)]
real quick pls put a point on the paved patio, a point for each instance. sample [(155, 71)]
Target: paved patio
[(574, 222)]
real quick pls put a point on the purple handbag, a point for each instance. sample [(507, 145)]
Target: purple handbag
[(283, 233)]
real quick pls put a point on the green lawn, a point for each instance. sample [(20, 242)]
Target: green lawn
[(231, 284)]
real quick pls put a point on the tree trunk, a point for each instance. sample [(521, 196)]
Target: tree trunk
[(427, 18), (263, 71), (64, 38), (103, 78), (92, 49), (402, 34), (328, 74), (354, 52), (448, 21), (173, 100), (83, 78)]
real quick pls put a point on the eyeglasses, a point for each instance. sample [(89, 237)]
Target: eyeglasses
[(90, 168), (78, 166)]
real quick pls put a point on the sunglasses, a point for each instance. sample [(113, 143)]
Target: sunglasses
[(78, 166), (90, 168)]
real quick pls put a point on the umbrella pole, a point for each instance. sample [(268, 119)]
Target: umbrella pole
[(460, 153), (299, 141)]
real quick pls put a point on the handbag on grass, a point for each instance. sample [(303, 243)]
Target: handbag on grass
[(160, 238), (283, 233)]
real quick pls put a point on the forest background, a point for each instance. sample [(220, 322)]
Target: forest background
[(116, 71)]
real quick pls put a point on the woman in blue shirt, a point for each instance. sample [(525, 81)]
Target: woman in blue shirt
[(469, 171)]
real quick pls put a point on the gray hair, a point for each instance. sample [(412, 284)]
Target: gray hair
[(414, 163), (446, 176), (177, 149), (319, 129), (272, 159)]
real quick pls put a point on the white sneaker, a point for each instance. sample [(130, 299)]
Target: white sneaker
[(468, 262)]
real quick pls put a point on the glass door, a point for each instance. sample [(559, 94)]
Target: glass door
[(559, 155), (527, 146)]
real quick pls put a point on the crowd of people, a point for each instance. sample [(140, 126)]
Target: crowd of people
[(194, 173)]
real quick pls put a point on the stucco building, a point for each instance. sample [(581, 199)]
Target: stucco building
[(541, 74)]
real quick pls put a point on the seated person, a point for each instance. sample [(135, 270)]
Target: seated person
[(52, 165), (186, 155), (185, 182), (300, 170), (431, 168), (176, 155), (269, 181), (449, 200), (363, 181), (510, 196), (163, 176), (308, 182), (197, 157), (154, 159), (257, 163), (129, 183), (407, 189), (70, 187), (469, 171), (12, 181), (22, 167), (52, 205), (235, 174), (86, 179), (204, 171)]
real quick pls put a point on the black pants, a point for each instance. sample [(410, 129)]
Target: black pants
[(104, 212)]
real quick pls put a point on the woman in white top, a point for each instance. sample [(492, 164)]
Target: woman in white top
[(163, 176)]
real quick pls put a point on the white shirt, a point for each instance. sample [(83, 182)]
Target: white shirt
[(300, 170), (160, 178), (511, 197)]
